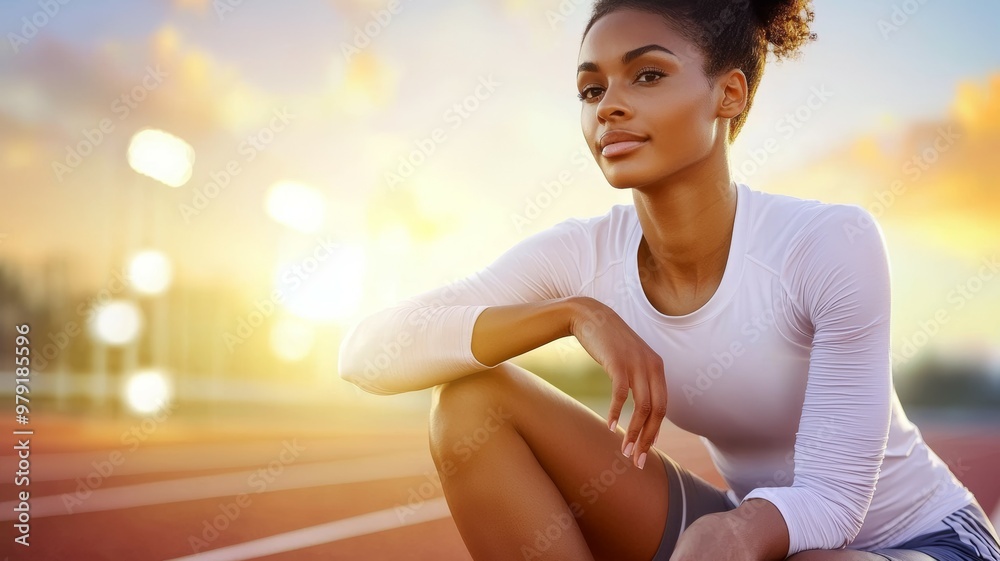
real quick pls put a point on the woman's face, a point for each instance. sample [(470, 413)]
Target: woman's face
[(630, 82)]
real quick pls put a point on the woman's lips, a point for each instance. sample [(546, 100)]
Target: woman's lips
[(619, 148)]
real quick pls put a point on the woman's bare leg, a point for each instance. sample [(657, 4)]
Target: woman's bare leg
[(530, 473)]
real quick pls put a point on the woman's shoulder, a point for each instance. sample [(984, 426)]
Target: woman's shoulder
[(791, 215), (616, 214), (784, 225), (611, 227), (591, 240)]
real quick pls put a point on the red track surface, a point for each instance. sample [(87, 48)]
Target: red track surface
[(163, 530)]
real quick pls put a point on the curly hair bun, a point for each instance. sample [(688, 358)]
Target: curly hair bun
[(785, 24)]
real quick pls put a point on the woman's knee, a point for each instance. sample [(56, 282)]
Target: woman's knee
[(472, 391), (465, 405)]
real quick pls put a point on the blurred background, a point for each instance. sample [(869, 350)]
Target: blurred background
[(201, 197)]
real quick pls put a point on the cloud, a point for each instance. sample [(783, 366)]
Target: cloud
[(934, 179), (977, 107), (204, 94)]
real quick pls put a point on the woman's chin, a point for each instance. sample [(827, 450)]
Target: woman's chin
[(626, 179)]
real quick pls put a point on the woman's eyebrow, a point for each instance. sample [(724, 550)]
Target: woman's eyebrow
[(626, 58)]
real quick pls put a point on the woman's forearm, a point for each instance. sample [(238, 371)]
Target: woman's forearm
[(410, 348), (504, 332)]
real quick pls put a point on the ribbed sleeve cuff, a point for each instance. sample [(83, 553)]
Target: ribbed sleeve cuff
[(468, 323), (808, 528)]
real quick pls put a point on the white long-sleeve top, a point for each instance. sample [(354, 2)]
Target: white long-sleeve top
[(785, 373)]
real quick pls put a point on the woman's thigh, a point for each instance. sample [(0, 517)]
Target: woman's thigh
[(621, 510)]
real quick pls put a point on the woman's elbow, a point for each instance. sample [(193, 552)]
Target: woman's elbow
[(361, 373), (850, 519)]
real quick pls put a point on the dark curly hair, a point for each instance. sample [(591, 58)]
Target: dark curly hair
[(730, 33)]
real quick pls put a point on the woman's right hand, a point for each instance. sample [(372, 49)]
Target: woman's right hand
[(631, 364)]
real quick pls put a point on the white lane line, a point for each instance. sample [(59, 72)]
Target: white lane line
[(145, 460), (291, 476), (370, 523)]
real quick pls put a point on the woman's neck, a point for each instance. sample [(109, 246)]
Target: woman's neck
[(687, 228)]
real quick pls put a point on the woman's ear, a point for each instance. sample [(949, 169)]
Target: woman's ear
[(733, 98)]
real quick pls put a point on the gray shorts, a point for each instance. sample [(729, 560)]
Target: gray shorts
[(690, 497), (964, 535)]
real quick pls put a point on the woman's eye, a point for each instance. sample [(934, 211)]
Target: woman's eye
[(585, 95), (656, 76)]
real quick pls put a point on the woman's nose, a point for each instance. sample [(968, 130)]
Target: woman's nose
[(612, 104)]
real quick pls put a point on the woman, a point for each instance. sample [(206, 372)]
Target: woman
[(758, 321)]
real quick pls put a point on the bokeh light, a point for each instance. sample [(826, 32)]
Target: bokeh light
[(150, 272), (116, 323), (148, 390), (162, 156)]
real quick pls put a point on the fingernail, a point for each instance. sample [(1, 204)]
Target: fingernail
[(642, 460), (628, 449), (614, 424)]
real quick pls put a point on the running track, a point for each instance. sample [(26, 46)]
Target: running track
[(335, 489)]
